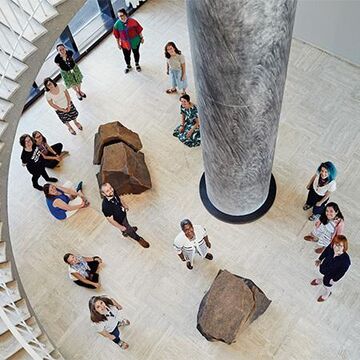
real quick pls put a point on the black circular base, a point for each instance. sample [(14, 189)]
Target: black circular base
[(240, 219)]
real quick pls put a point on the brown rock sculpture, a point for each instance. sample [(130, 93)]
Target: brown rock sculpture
[(111, 133), (124, 169), (230, 305)]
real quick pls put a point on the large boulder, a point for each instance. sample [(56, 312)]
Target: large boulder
[(112, 133), (230, 305), (124, 169)]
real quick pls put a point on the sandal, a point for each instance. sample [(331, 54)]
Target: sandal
[(310, 238), (72, 131), (123, 345), (79, 126), (171, 91), (124, 322)]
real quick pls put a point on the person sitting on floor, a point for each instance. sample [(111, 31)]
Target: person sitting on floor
[(188, 132), (84, 271), (53, 154), (64, 201)]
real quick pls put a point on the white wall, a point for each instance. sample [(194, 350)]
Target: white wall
[(332, 25)]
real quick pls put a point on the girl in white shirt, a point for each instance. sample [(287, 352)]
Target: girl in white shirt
[(59, 99), (320, 186), (175, 67), (105, 315)]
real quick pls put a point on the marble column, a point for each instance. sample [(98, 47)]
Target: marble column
[(240, 51)]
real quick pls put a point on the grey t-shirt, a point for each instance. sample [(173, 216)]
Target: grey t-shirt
[(176, 61)]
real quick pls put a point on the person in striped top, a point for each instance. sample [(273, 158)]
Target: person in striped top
[(192, 240)]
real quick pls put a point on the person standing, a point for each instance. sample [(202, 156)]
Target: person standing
[(59, 99), (190, 241), (69, 71), (333, 264), (330, 224), (31, 158), (321, 186), (175, 67), (128, 35), (84, 271), (114, 210), (105, 314)]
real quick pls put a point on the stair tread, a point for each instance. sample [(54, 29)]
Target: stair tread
[(13, 316), (8, 343), (5, 272), (10, 12), (14, 293), (2, 247), (8, 88), (23, 50), (14, 69), (5, 106), (42, 14)]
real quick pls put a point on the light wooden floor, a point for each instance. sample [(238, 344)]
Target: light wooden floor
[(319, 121)]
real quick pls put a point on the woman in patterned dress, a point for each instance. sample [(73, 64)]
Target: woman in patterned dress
[(69, 71), (188, 132)]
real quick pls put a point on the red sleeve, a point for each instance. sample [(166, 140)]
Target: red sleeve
[(116, 33), (139, 28)]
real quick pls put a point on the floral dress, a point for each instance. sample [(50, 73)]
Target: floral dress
[(190, 116)]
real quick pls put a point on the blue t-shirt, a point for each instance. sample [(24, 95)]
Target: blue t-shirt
[(58, 213)]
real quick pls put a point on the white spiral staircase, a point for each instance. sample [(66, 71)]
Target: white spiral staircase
[(28, 30)]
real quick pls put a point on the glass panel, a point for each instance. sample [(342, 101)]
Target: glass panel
[(89, 24), (119, 4)]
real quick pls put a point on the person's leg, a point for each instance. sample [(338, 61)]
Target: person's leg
[(80, 283), (136, 53), (116, 333), (57, 148), (130, 230), (325, 293), (35, 181), (93, 265), (318, 210), (46, 176), (312, 198), (72, 131), (127, 57), (172, 74)]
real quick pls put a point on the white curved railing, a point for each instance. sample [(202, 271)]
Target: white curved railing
[(18, 24), (20, 36), (35, 348)]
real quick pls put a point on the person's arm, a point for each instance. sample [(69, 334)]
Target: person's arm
[(183, 73), (67, 95), (341, 271), (111, 220), (182, 126), (116, 34), (56, 107), (325, 198), (124, 205), (167, 68), (93, 258), (308, 186), (84, 280), (178, 247), (107, 335), (194, 127), (64, 206), (141, 38), (67, 191), (118, 306), (139, 30), (207, 242), (50, 157)]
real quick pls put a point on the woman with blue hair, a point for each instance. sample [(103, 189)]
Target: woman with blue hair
[(320, 186)]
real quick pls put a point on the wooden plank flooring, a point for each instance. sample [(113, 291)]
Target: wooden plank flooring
[(319, 122)]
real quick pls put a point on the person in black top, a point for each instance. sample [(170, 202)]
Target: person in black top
[(31, 158), (333, 262), (69, 71), (114, 210)]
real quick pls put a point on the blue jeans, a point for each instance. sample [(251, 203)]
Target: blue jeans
[(116, 333), (176, 81)]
